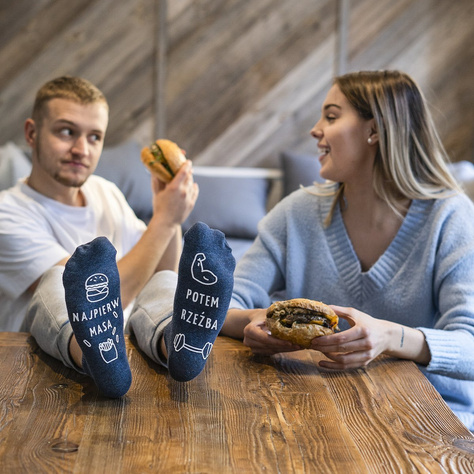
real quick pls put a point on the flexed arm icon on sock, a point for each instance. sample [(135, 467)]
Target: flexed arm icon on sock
[(199, 273)]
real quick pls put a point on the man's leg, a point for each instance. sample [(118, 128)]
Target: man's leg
[(47, 320), (92, 291), (186, 312), (152, 312)]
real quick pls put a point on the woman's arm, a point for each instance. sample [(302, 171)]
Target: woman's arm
[(249, 325), (236, 321), (369, 337)]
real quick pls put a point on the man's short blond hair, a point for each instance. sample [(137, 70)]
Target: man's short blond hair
[(72, 88)]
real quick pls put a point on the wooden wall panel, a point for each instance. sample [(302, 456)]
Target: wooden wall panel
[(244, 80), (108, 42), (233, 60), (432, 40)]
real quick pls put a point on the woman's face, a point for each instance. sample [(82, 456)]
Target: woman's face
[(345, 152)]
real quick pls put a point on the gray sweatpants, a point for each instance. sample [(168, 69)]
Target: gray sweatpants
[(47, 319)]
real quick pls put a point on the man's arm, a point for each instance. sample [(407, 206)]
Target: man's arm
[(170, 259), (159, 247)]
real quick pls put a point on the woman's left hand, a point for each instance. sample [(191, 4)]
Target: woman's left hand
[(356, 347)]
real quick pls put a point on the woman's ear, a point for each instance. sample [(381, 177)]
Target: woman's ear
[(373, 137), (30, 132)]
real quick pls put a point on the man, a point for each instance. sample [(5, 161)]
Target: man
[(62, 209)]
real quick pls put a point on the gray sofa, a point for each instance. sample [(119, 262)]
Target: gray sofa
[(231, 199)]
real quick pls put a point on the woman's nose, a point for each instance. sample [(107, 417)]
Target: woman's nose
[(316, 131)]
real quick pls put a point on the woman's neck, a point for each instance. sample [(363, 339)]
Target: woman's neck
[(362, 203), (370, 223)]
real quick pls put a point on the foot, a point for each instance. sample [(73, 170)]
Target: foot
[(205, 283), (92, 287)]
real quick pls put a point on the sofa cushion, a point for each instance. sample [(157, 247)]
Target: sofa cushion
[(14, 164), (463, 172), (232, 200), (299, 169), (121, 165), (238, 246)]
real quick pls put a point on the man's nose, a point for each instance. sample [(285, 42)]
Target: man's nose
[(81, 146)]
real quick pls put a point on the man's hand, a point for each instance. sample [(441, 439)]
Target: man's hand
[(173, 202)]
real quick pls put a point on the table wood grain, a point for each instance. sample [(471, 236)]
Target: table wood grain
[(244, 413)]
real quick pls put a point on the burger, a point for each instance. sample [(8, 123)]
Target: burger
[(97, 287), (163, 159), (301, 320)]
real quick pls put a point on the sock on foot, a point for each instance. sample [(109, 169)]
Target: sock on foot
[(204, 289), (92, 288)]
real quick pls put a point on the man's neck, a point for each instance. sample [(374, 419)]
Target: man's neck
[(71, 196)]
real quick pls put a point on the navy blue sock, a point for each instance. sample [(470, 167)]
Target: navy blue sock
[(205, 283), (92, 287)]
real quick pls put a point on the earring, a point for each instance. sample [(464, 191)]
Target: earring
[(369, 141)]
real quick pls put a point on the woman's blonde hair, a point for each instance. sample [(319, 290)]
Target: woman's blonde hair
[(411, 161)]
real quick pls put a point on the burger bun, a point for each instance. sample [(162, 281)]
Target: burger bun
[(172, 154), (300, 333)]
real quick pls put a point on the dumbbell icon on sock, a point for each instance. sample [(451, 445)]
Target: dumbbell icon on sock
[(180, 343)]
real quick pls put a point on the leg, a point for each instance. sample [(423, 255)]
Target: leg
[(92, 290), (47, 320), (205, 283), (152, 312)]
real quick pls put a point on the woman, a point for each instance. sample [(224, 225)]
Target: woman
[(392, 235)]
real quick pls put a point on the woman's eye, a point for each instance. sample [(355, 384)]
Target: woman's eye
[(330, 118)]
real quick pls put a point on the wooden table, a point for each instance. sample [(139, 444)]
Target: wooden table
[(242, 414)]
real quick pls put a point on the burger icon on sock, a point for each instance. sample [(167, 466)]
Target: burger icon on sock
[(97, 287)]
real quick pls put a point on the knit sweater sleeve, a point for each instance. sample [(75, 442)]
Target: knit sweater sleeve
[(261, 271), (451, 340)]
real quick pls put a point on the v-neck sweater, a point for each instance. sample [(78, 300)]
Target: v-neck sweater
[(424, 279)]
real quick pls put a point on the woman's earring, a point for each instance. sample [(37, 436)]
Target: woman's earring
[(369, 141)]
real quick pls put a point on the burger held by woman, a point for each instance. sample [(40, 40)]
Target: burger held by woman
[(387, 241)]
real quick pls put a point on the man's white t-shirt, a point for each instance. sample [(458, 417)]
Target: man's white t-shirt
[(37, 232)]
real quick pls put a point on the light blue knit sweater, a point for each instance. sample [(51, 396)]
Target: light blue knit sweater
[(425, 279)]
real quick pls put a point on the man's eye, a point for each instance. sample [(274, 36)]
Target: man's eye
[(67, 132), (95, 138)]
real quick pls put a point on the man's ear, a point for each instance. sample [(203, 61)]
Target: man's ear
[(30, 132)]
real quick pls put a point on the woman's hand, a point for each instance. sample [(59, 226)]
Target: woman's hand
[(257, 336), (356, 347), (367, 338)]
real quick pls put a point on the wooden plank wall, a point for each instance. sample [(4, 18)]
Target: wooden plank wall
[(234, 82)]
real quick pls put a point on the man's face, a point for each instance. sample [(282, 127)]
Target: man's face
[(68, 143)]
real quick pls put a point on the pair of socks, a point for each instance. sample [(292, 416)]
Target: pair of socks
[(92, 290)]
